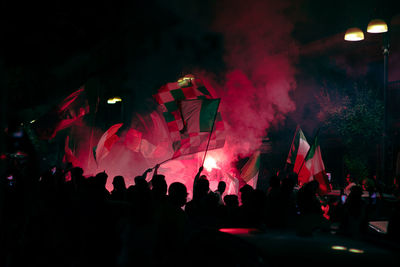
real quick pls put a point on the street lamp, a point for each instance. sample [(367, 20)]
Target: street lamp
[(114, 100), (355, 34)]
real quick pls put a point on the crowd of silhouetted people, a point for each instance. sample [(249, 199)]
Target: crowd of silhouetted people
[(66, 219)]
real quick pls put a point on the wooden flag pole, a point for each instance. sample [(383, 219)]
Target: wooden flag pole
[(212, 128)]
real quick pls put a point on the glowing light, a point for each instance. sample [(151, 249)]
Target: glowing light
[(377, 26), (32, 121), (354, 34), (114, 100), (238, 231), (210, 163), (339, 248), (186, 79), (355, 250)]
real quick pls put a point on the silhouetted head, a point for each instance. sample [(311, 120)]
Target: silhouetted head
[(101, 178), (245, 193), (356, 191), (221, 187), (202, 187), (177, 194), (141, 182), (159, 185), (119, 183)]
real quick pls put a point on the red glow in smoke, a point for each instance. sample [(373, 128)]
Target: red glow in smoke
[(254, 95), (260, 61)]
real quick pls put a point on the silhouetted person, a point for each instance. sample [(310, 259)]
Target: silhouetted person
[(203, 208), (230, 211), (288, 201), (220, 191), (119, 191), (172, 227), (311, 215), (354, 220), (138, 231), (248, 206), (158, 188), (273, 201), (76, 185), (98, 189)]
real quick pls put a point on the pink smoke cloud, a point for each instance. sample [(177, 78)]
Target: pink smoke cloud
[(255, 91), (259, 55)]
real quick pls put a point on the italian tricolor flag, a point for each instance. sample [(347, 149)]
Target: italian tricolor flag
[(198, 115), (298, 151), (315, 166), (249, 172)]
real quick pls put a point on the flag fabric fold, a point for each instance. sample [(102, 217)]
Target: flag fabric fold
[(133, 139), (106, 142), (64, 115), (69, 155), (189, 111)]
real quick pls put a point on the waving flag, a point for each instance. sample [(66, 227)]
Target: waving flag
[(298, 150), (189, 122), (69, 155), (316, 167), (133, 138), (107, 140), (62, 116), (249, 172)]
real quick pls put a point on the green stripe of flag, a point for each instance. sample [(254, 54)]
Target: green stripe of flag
[(199, 114)]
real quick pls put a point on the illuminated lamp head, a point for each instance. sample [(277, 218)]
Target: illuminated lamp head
[(185, 80), (354, 34), (377, 26)]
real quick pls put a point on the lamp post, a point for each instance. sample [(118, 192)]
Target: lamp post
[(355, 34)]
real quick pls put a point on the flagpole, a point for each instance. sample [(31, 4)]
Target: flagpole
[(212, 128), (294, 137)]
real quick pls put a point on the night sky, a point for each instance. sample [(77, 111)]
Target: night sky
[(52, 48)]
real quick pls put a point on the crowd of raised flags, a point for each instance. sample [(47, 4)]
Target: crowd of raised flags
[(193, 123)]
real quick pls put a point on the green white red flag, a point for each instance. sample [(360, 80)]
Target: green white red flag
[(298, 150), (316, 167), (249, 172), (179, 114)]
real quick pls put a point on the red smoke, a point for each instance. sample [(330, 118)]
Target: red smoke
[(259, 56), (254, 91)]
